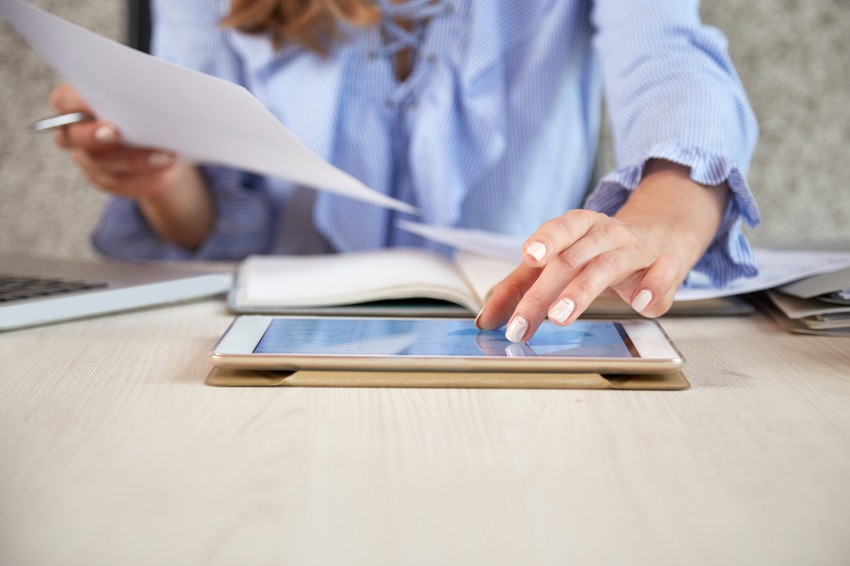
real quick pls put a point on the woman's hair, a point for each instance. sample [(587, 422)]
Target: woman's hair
[(314, 24)]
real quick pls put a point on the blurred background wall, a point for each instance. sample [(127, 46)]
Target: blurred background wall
[(791, 54)]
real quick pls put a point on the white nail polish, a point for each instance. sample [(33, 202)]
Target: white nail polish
[(105, 135), (642, 300), (159, 159), (516, 329), (536, 250), (477, 317), (562, 310)]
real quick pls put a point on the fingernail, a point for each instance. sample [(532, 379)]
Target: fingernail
[(562, 310), (477, 317), (159, 159), (536, 250), (516, 329), (642, 300), (106, 134)]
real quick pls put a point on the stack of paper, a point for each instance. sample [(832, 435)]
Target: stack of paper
[(816, 305)]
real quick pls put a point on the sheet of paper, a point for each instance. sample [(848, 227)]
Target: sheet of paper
[(481, 242), (157, 104), (776, 267)]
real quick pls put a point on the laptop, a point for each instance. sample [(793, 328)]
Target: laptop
[(36, 291)]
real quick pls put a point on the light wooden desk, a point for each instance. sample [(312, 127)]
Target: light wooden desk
[(112, 451)]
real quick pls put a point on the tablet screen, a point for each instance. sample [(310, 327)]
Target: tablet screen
[(439, 337)]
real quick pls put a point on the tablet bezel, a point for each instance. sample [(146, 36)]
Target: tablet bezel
[(235, 349)]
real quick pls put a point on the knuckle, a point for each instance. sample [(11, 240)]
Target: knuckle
[(608, 227), (615, 231), (508, 289), (557, 225), (608, 263), (664, 274), (584, 214), (667, 279), (582, 291), (568, 261), (673, 262), (534, 302)]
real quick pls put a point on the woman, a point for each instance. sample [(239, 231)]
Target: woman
[(482, 113)]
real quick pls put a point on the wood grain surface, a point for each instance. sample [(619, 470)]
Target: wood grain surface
[(113, 451)]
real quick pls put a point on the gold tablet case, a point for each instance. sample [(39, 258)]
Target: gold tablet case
[(226, 377)]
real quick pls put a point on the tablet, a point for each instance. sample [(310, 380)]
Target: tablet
[(442, 344)]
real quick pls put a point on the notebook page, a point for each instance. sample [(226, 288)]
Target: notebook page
[(339, 279)]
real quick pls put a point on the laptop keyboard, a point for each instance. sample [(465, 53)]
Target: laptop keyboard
[(17, 288)]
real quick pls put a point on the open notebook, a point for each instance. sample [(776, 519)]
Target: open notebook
[(401, 282), (35, 291)]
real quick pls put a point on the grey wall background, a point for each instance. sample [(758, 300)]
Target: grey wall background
[(793, 56)]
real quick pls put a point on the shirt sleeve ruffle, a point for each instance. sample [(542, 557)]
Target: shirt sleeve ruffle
[(243, 225), (729, 256)]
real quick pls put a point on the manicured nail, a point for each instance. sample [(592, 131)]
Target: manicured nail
[(516, 329), (477, 317), (562, 310), (536, 250), (159, 159), (642, 300), (106, 134)]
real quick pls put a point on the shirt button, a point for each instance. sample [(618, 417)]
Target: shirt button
[(431, 57), (372, 55), (413, 107)]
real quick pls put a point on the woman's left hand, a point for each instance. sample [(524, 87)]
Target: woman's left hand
[(642, 254)]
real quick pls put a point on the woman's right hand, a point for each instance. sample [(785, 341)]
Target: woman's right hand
[(171, 194), (109, 164)]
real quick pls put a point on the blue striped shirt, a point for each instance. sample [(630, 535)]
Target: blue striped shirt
[(496, 128)]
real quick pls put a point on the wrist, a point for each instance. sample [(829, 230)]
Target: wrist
[(180, 208), (167, 187), (684, 214)]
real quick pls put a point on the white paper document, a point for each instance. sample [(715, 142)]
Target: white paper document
[(158, 104), (776, 267), (481, 242)]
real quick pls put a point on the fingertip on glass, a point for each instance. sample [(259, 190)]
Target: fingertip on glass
[(516, 329)]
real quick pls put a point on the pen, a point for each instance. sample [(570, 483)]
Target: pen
[(54, 122)]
